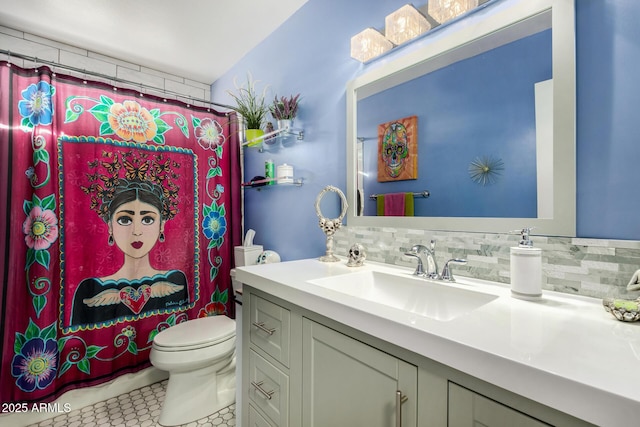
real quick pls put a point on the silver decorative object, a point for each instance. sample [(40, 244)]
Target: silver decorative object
[(486, 170), (357, 255), (623, 309), (634, 283), (330, 226)]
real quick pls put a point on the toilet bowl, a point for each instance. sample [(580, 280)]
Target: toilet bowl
[(199, 355)]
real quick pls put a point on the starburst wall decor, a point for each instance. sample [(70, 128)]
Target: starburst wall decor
[(486, 170)]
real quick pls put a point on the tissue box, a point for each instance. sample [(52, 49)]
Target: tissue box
[(247, 255)]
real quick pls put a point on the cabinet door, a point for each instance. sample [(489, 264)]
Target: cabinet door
[(348, 383), (470, 409)]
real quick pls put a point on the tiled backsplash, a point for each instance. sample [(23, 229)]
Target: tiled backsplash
[(589, 267)]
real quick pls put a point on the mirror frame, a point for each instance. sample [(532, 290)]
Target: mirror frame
[(462, 34)]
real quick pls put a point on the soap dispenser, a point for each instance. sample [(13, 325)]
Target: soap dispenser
[(526, 268)]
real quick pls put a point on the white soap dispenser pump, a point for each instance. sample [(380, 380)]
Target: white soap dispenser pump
[(526, 268)]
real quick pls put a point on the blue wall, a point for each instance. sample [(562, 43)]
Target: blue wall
[(310, 54), (608, 149)]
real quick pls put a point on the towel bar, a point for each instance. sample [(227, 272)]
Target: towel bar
[(423, 194)]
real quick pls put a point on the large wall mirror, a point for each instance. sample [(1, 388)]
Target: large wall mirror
[(489, 104)]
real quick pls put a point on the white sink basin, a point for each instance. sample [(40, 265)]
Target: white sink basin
[(435, 300)]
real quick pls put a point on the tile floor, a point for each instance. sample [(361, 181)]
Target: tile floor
[(138, 408)]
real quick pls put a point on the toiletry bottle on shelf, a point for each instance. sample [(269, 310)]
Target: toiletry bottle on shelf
[(269, 172), (284, 174), (526, 268)]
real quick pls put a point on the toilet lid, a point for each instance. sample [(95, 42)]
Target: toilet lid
[(196, 333)]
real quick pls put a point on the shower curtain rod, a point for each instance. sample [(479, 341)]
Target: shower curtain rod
[(104, 76)]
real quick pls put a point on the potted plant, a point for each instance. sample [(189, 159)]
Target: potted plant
[(253, 109), (284, 110)]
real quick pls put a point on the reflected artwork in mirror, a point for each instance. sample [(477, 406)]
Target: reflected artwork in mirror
[(501, 87)]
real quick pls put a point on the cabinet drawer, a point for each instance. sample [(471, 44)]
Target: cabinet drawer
[(270, 328), (257, 420), (467, 408), (269, 389)]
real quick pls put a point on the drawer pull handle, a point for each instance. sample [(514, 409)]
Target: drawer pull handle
[(400, 399), (261, 326), (266, 394)]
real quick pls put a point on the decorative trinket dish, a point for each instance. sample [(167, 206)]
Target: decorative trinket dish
[(623, 310)]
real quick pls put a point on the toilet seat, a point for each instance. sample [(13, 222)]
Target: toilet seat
[(195, 334)]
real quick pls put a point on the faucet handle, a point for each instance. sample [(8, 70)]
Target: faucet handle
[(447, 272)]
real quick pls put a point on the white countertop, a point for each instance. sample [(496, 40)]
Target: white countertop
[(563, 351)]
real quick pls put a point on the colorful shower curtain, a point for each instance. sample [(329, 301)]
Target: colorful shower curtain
[(118, 216)]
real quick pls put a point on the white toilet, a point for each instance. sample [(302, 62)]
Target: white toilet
[(199, 355)]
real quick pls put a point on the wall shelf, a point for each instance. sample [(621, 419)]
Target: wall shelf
[(264, 183), (272, 138)]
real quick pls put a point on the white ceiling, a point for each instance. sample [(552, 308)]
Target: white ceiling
[(196, 39)]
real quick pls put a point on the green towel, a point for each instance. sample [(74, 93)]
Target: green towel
[(408, 204), (380, 205)]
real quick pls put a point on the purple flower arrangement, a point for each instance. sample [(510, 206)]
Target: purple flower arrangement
[(285, 108)]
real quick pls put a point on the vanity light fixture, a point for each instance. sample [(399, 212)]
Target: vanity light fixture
[(445, 10), (368, 44), (405, 24)]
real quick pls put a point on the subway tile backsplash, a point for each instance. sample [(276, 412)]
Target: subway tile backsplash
[(157, 81), (590, 267)]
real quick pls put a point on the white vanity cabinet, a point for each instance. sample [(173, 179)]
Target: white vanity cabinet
[(348, 383), (268, 367), (257, 420), (468, 408), (311, 371)]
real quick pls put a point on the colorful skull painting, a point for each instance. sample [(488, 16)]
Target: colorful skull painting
[(398, 149), (395, 149)]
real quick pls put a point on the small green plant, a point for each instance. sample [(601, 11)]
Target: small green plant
[(251, 106), (285, 108)]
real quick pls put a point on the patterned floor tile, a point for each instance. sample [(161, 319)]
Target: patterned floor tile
[(138, 408)]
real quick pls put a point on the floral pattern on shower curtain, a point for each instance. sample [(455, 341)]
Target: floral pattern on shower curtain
[(118, 216)]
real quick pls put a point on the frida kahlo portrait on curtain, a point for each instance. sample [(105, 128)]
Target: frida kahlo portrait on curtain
[(135, 193)]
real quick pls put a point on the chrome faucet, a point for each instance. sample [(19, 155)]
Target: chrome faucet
[(426, 256), (418, 251), (447, 272)]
